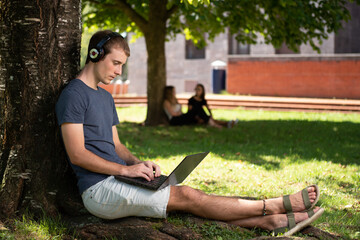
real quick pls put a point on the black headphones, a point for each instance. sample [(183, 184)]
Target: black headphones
[(97, 53)]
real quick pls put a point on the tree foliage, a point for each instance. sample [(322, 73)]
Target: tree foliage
[(291, 21)]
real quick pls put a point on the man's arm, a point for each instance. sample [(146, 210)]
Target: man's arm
[(73, 137), (128, 157), (122, 151)]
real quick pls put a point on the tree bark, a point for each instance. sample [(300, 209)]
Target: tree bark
[(153, 26), (40, 46), (156, 63)]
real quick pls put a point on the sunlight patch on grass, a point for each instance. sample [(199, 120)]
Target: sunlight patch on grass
[(131, 114), (43, 229), (266, 155)]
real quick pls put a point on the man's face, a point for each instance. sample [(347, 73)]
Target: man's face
[(111, 66)]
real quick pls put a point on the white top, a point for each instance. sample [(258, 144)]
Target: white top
[(176, 108)]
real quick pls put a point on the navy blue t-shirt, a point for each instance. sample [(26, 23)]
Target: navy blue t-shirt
[(95, 109)]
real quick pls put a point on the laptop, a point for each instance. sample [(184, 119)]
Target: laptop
[(187, 165)]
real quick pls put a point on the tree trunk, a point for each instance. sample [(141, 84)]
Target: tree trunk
[(40, 45), (156, 63)]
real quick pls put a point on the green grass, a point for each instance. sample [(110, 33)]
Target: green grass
[(266, 155), (40, 229)]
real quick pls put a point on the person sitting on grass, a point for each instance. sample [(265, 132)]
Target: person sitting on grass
[(87, 118), (173, 109), (196, 105)]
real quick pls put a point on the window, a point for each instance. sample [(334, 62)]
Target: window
[(190, 85), (284, 50), (193, 52), (236, 47), (347, 39)]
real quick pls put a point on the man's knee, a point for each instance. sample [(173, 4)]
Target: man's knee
[(188, 193), (184, 197)]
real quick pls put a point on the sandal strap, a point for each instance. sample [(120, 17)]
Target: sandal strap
[(305, 195), (310, 213), (291, 220), (291, 224), (287, 203)]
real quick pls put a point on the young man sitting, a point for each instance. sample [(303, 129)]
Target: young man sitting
[(87, 116)]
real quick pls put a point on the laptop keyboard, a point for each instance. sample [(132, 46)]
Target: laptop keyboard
[(155, 182)]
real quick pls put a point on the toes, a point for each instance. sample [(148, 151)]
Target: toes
[(316, 209), (311, 189), (312, 193), (312, 196), (301, 216)]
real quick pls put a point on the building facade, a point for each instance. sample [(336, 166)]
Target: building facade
[(260, 69)]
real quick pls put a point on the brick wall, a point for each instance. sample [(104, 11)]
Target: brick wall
[(115, 89), (324, 77)]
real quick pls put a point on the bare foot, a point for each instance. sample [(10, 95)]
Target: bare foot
[(276, 205), (271, 222), (212, 123), (280, 220), (297, 202)]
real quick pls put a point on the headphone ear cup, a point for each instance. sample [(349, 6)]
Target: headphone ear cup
[(96, 54)]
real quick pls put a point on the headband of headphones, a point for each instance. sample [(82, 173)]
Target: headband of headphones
[(97, 52)]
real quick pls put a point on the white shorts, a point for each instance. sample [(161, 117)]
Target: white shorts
[(111, 199)]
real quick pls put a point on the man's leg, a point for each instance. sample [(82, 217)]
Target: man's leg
[(184, 198)]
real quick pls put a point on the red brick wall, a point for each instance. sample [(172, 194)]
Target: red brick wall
[(295, 77), (115, 89)]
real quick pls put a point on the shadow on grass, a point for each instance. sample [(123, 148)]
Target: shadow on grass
[(264, 143)]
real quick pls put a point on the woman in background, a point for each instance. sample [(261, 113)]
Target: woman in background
[(196, 105), (173, 110)]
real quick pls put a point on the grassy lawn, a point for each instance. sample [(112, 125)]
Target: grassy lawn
[(267, 154)]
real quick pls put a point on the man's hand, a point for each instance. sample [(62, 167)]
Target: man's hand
[(155, 167), (147, 170)]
